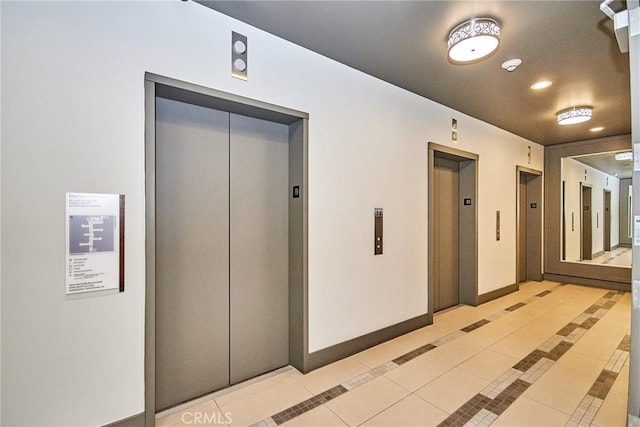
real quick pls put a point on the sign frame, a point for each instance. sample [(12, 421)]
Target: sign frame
[(94, 242)]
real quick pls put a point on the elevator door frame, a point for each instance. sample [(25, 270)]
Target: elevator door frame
[(533, 261), (164, 87), (468, 270)]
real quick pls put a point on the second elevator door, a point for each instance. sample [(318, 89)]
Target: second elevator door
[(222, 249), (446, 291)]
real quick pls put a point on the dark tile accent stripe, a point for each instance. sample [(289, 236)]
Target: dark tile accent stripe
[(475, 325), (325, 396), (469, 328), (592, 309), (603, 384), (587, 324), (413, 354), (509, 395), (559, 351), (309, 404), (467, 411), (530, 360), (588, 408), (625, 344), (567, 329), (515, 306), (510, 386)]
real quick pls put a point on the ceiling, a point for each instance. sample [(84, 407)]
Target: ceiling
[(571, 43), (607, 163)]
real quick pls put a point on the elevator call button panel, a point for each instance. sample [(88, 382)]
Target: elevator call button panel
[(377, 234)]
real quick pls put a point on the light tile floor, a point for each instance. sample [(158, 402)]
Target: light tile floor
[(426, 390), (621, 257)]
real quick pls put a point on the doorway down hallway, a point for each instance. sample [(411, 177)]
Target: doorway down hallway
[(549, 354)]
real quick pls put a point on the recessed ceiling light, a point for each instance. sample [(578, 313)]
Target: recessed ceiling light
[(473, 39), (541, 85), (574, 115), (596, 129)]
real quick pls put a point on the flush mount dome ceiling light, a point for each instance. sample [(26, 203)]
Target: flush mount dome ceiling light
[(473, 39), (624, 156), (574, 115)]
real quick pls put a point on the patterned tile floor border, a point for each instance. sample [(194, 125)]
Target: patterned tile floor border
[(495, 398), (589, 406), (319, 399), (613, 257)]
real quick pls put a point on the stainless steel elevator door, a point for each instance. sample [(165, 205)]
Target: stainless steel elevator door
[(259, 234), (446, 291), (586, 223), (222, 275), (192, 251), (607, 220)]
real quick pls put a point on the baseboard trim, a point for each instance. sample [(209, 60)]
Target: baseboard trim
[(132, 421), (613, 248), (336, 352), (597, 254), (489, 296), (594, 283)]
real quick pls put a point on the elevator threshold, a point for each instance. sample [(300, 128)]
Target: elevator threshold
[(209, 396), (448, 309)]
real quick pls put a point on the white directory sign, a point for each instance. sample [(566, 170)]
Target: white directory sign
[(93, 242), (636, 230)]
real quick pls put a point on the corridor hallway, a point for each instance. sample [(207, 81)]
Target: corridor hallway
[(548, 355)]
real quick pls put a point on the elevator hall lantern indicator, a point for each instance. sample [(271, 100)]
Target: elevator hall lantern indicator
[(377, 233)]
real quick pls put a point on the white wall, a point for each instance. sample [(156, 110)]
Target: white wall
[(573, 173), (1, 211), (72, 76)]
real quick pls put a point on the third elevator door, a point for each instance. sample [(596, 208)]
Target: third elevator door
[(586, 223), (607, 220), (222, 249), (446, 222), (529, 253)]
